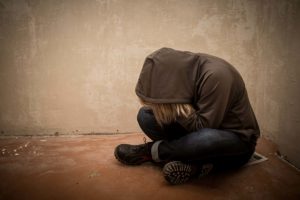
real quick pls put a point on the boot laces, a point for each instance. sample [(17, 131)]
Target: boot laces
[(144, 146)]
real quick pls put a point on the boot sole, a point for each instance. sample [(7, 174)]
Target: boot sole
[(176, 172)]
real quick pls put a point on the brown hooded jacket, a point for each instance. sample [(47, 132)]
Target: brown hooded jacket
[(213, 86)]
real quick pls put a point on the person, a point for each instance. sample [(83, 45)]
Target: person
[(197, 113)]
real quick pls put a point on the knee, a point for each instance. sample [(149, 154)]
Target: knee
[(144, 115), (141, 114), (148, 124)]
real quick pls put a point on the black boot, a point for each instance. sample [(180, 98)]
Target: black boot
[(133, 154), (177, 172)]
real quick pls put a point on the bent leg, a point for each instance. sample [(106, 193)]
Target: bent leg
[(222, 148), (154, 131)]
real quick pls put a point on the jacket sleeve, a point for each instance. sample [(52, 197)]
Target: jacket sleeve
[(214, 98)]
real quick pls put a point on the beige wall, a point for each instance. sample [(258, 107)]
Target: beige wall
[(71, 66)]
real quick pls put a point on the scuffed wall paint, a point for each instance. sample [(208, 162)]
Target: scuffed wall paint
[(71, 66)]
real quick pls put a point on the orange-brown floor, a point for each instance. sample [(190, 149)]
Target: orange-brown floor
[(83, 167)]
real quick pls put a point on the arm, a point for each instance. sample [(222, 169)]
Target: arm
[(214, 98)]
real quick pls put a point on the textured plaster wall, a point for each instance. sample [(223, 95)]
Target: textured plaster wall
[(70, 66), (278, 86)]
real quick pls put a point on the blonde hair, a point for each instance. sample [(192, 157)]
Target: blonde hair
[(166, 113)]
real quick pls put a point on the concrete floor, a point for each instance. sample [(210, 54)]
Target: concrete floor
[(83, 167)]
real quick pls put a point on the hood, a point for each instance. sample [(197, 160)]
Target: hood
[(168, 76)]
